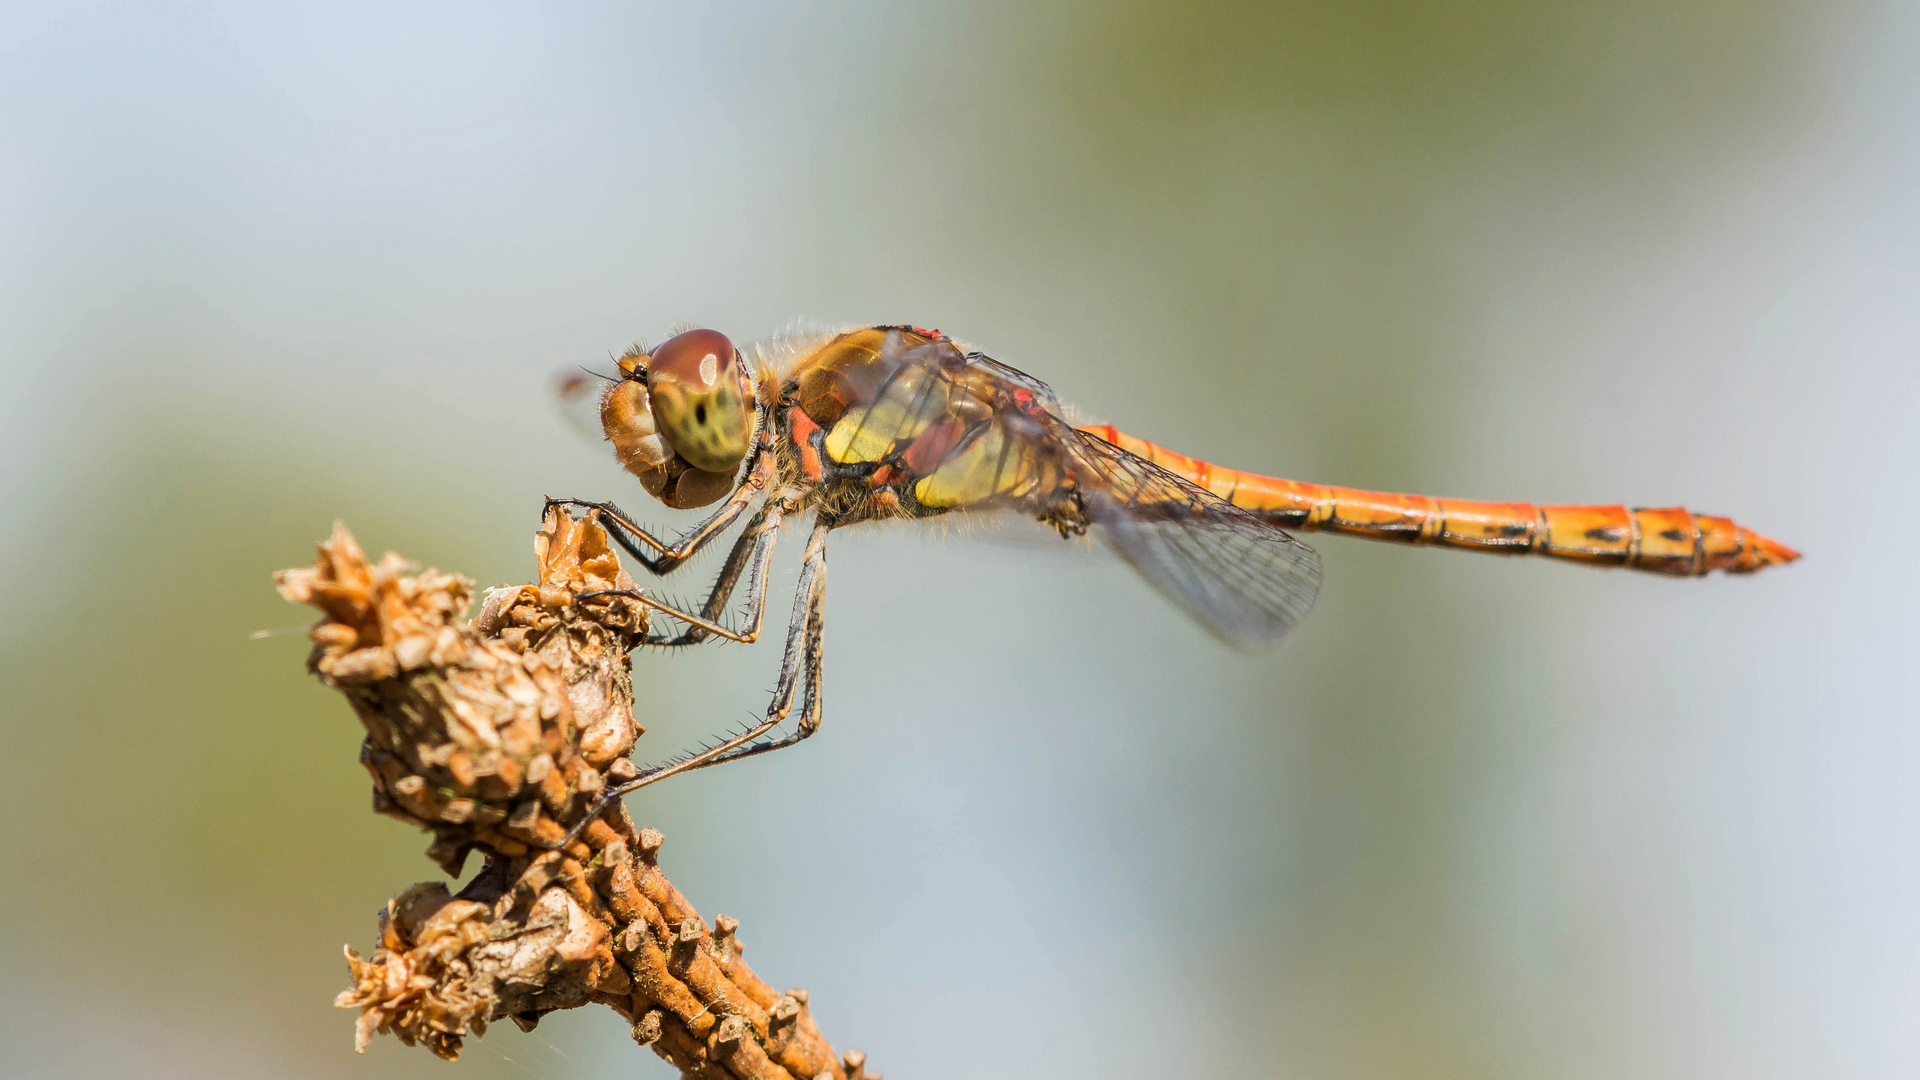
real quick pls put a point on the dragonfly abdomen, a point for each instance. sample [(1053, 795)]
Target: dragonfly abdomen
[(1663, 540)]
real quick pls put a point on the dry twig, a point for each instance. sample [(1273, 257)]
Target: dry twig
[(496, 735)]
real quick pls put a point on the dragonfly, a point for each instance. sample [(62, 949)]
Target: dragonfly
[(901, 422)]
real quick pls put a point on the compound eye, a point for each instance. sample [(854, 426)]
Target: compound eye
[(695, 359), (703, 399)]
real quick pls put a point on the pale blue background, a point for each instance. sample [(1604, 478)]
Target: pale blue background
[(261, 269)]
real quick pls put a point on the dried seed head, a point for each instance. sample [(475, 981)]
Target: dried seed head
[(480, 733)]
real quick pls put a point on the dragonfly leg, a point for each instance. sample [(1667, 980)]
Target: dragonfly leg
[(805, 633), (802, 652), (657, 555), (751, 554)]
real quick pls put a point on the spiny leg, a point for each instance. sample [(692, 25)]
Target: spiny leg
[(664, 557), (753, 551), (806, 630), (803, 649)]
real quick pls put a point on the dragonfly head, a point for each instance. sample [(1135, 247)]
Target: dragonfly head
[(702, 399), (681, 419)]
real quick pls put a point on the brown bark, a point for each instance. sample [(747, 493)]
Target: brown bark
[(496, 735)]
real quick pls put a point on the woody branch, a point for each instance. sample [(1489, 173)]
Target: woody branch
[(496, 735)]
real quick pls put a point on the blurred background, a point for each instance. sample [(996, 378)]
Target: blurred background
[(1476, 818)]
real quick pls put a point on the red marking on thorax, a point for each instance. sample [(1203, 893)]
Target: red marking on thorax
[(802, 428), (925, 453)]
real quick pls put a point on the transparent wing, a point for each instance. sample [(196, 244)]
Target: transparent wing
[(1245, 580), (577, 394)]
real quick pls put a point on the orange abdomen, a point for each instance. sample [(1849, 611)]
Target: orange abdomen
[(1664, 541)]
